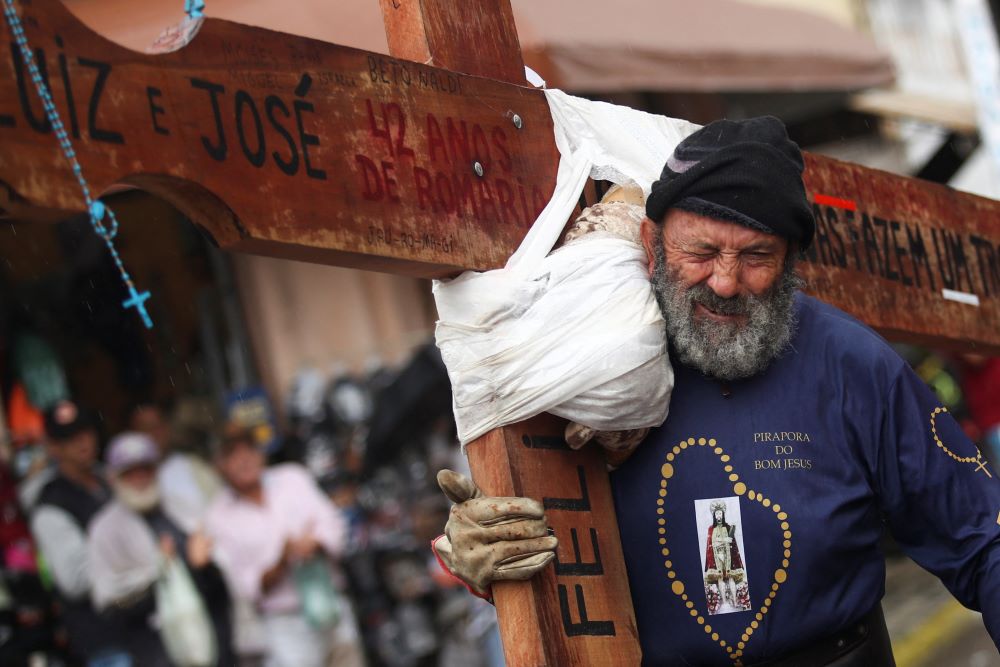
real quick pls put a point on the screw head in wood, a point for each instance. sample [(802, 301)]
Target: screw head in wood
[(478, 168)]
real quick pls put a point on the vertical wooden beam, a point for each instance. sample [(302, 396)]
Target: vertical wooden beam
[(475, 37), (579, 611)]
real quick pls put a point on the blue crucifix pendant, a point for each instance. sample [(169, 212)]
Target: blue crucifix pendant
[(137, 300)]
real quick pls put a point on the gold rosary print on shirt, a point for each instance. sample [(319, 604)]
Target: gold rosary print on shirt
[(724, 580), (976, 460)]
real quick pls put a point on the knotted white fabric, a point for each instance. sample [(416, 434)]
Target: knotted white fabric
[(575, 331)]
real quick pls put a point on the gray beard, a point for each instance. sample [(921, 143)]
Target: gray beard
[(726, 351), (138, 501)]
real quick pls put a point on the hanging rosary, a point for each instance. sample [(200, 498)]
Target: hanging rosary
[(194, 8), (102, 219)]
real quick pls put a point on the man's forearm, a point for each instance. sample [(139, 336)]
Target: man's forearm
[(273, 576)]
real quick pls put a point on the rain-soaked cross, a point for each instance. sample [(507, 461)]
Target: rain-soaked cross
[(429, 162)]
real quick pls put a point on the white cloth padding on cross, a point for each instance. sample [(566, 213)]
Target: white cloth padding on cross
[(575, 331)]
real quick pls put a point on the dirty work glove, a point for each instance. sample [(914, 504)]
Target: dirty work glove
[(491, 539), (617, 445)]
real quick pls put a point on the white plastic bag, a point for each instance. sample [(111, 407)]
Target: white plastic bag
[(575, 332), (321, 603), (185, 626)]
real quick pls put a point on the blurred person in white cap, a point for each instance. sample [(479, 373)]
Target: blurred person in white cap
[(128, 542), (59, 518)]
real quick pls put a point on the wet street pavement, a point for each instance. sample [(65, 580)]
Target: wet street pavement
[(927, 626)]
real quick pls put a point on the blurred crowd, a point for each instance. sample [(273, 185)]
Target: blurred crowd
[(162, 546), (224, 541)]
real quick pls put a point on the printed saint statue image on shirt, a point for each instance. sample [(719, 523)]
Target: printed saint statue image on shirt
[(726, 587)]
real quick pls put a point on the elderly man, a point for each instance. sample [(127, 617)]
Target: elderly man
[(128, 543), (800, 421)]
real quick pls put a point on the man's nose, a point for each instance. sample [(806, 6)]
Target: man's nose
[(724, 280)]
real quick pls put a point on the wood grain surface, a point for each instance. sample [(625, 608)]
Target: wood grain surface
[(283, 145), (578, 612)]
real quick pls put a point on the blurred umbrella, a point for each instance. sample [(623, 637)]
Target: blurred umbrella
[(582, 45)]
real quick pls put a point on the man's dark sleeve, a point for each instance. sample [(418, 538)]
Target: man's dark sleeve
[(941, 499)]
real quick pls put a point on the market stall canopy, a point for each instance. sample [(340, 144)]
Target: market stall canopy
[(581, 45)]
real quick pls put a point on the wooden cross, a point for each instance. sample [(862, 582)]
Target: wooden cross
[(429, 162)]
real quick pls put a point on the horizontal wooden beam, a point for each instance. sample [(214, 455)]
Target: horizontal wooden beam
[(287, 146), (283, 145), (917, 261)]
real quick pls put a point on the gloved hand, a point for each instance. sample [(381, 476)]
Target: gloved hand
[(491, 539), (618, 445)]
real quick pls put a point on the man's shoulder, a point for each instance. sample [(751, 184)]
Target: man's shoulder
[(54, 492), (110, 517), (48, 516), (30, 490), (830, 320), (839, 335), (289, 473), (60, 496)]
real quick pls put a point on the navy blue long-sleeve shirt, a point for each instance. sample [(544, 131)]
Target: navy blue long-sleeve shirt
[(750, 522)]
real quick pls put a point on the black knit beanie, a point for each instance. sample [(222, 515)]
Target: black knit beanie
[(746, 171)]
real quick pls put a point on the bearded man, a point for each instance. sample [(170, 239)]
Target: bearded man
[(128, 543), (783, 407)]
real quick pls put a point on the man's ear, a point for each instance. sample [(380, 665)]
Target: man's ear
[(648, 234)]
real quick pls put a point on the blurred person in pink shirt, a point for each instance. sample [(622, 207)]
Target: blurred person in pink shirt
[(267, 526)]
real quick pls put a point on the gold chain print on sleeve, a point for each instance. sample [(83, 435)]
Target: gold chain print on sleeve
[(976, 460), (733, 646)]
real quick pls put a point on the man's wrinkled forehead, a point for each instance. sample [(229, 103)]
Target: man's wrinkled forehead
[(697, 232)]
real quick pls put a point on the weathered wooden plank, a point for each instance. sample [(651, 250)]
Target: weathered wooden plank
[(287, 146), (307, 150), (579, 611), (887, 248), (472, 37)]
